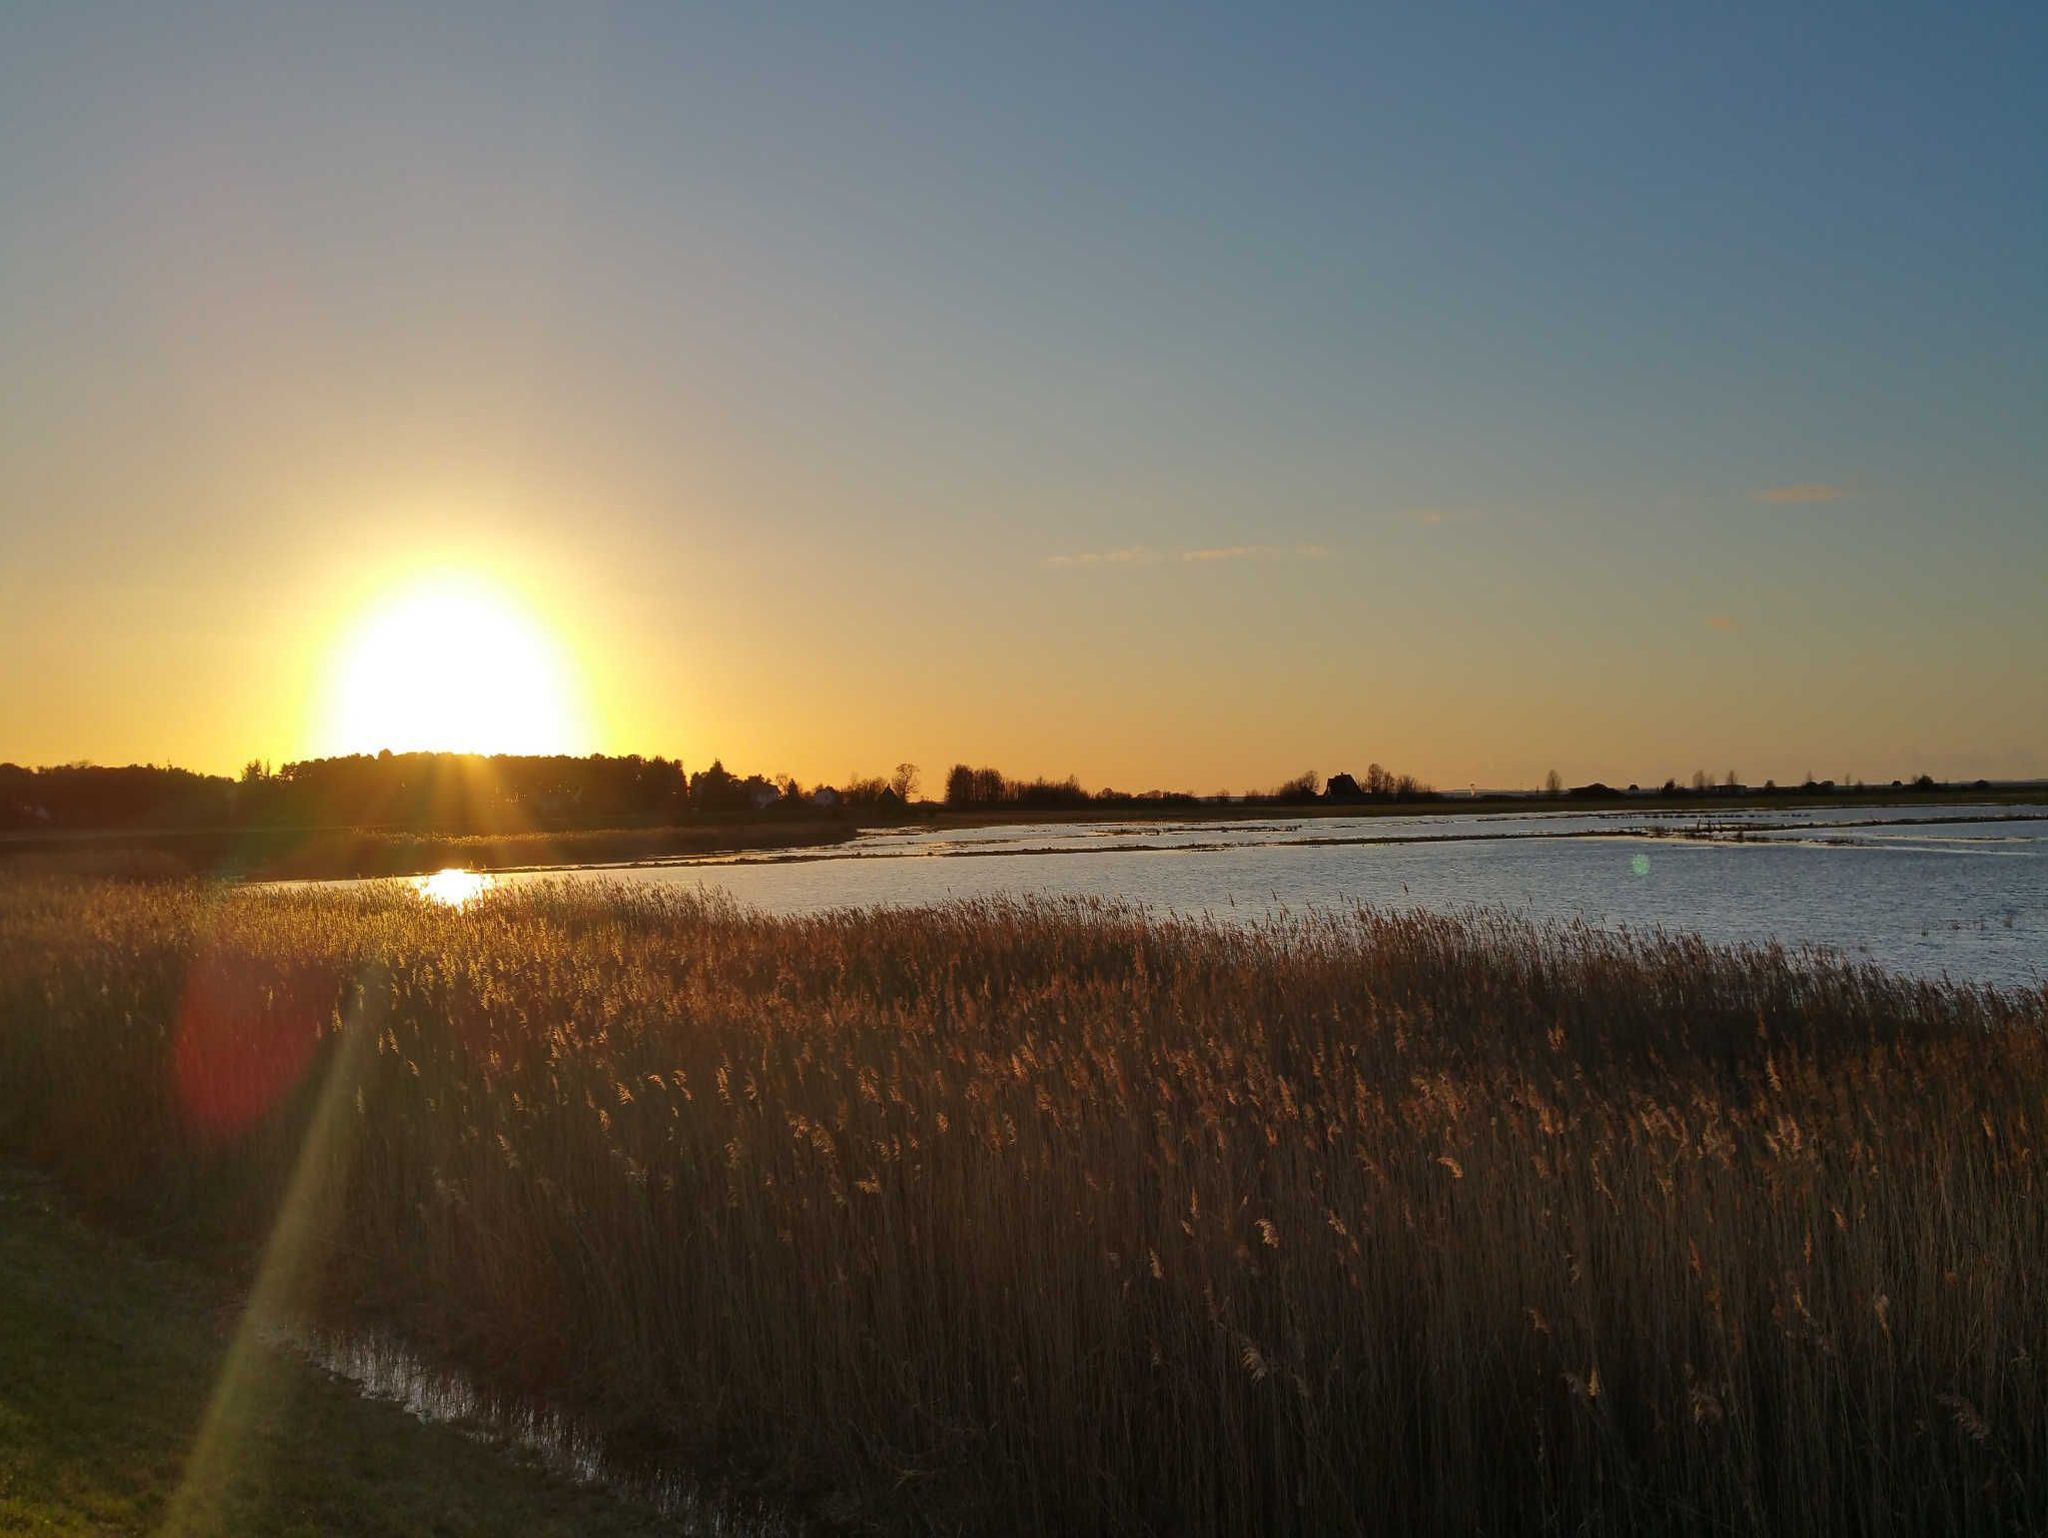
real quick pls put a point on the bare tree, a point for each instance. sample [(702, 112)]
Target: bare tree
[(904, 780), (1553, 784), (1305, 786)]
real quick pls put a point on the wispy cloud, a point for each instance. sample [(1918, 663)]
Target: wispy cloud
[(1805, 491), (1144, 555), (1129, 555), (1721, 622), (1257, 553)]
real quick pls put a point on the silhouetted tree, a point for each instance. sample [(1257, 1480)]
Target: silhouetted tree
[(83, 795), (714, 790), (1301, 788), (862, 790)]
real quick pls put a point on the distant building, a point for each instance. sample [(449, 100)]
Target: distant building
[(825, 798)]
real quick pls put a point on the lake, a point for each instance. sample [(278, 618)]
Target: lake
[(1933, 890)]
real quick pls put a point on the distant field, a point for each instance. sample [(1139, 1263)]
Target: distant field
[(1462, 805), (339, 853), (1043, 1219)]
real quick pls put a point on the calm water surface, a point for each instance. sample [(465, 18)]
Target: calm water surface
[(1960, 891)]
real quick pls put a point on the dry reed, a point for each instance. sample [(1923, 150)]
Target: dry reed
[(1056, 1218)]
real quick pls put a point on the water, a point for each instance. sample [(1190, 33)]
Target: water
[(1929, 890), (382, 1367)]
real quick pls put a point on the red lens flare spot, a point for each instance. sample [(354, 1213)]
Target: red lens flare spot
[(241, 1046)]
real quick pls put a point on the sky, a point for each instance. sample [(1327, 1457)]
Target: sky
[(1178, 397)]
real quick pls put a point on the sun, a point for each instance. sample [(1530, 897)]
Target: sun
[(452, 664)]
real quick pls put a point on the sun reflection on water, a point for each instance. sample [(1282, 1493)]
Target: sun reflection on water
[(453, 886)]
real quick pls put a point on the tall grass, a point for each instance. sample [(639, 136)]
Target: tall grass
[(1020, 1218)]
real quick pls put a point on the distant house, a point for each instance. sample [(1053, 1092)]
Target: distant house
[(825, 798), (761, 797)]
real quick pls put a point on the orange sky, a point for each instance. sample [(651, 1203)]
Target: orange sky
[(1139, 670)]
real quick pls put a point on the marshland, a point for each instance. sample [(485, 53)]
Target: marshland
[(1161, 771), (1059, 1216)]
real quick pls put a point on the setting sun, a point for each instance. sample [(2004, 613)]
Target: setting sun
[(453, 664)]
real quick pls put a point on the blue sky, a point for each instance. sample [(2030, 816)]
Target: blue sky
[(851, 384)]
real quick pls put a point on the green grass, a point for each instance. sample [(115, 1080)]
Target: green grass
[(107, 1361)]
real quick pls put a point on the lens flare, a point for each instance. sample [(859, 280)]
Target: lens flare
[(241, 1045)]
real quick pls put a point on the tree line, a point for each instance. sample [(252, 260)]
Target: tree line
[(473, 793), (438, 792), (969, 788), (508, 793)]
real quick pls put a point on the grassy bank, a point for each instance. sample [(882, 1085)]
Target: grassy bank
[(1036, 1219), (342, 853), (107, 1362)]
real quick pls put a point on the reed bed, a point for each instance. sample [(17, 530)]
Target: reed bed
[(1009, 1217)]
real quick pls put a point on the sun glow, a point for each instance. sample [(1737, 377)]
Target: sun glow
[(453, 886), (452, 665)]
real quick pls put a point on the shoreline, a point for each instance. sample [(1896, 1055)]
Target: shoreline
[(353, 853), (358, 854)]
